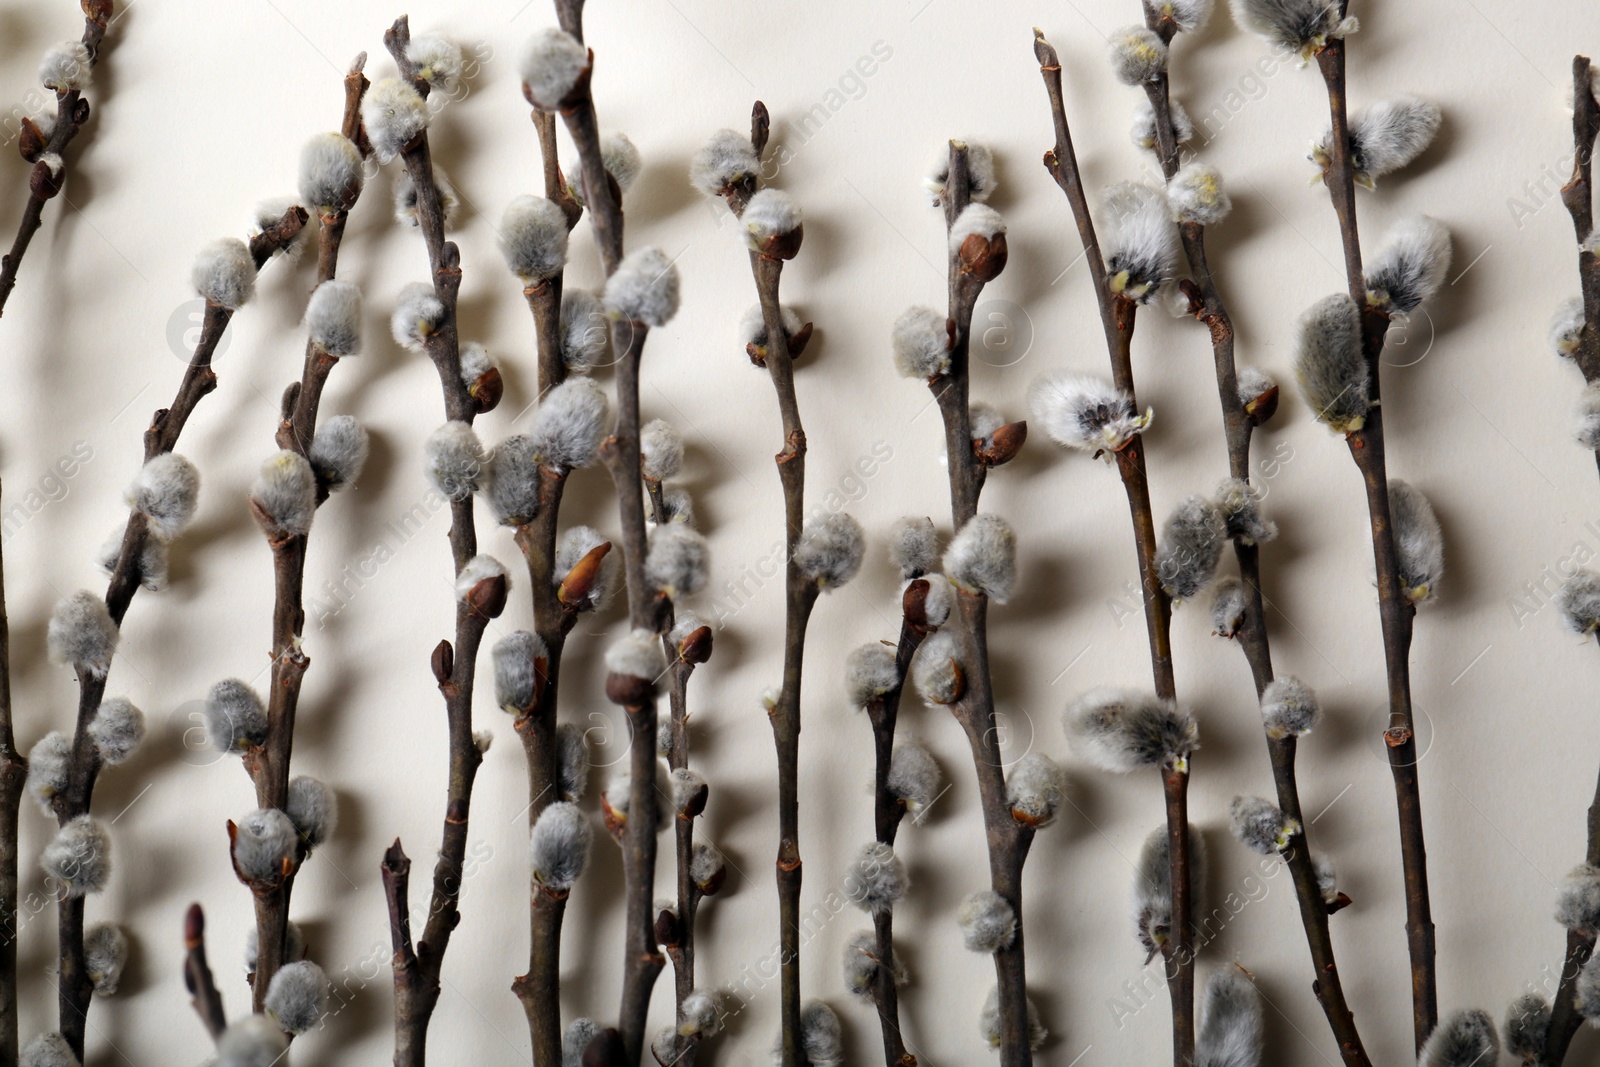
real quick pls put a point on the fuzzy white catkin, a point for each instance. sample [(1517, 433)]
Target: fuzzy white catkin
[(1197, 194), (1418, 541), (1138, 55), (989, 1022), (454, 460), (48, 1050), (1228, 608), (285, 494), (980, 171), (1465, 1039), (702, 1015), (313, 808), (166, 492), (515, 673), (559, 845), (77, 861), (1238, 505), (1589, 989), (1140, 241), (339, 452), (1152, 887), (619, 155), (333, 317), (913, 777), (1035, 789), (1122, 730), (533, 238), (47, 768), (982, 558), (936, 669), (480, 568), (393, 114), (938, 601), (105, 953), (830, 550), (644, 288), (1083, 412), (706, 864), (572, 546), (585, 335), (1588, 433), (1527, 1025), (117, 729), (1301, 26), (980, 219), (921, 343), (1253, 384), (405, 198), (770, 213), (254, 1041), (678, 562), (153, 563), (877, 880), (869, 672), (513, 488), (1327, 878), (1231, 1023), (1191, 545), (572, 761), (577, 1037), (1578, 600), (236, 720), (438, 62), (297, 997), (550, 64), (860, 964), (1329, 366), (913, 546), (660, 450), (1289, 708), (263, 841), (988, 924), (1260, 826), (1411, 266), (686, 788), (225, 273), (726, 158), (569, 424), (1566, 327), (418, 312), (1578, 900), (294, 950), (985, 420), (330, 173), (821, 1037), (1388, 135), (1143, 130), (1186, 15), (81, 633), (66, 67), (636, 654)]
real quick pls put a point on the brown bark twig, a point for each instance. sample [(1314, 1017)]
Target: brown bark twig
[(13, 778), (197, 976)]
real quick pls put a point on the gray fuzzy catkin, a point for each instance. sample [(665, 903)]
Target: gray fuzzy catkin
[(726, 158), (585, 335), (830, 550), (479, 568), (1152, 887), (333, 317), (225, 273), (295, 949), (983, 421), (1139, 239), (980, 219), (1329, 366), (643, 288), (706, 864), (1527, 1025), (701, 1014), (914, 778), (1143, 130), (550, 64), (572, 761), (166, 491), (1254, 383), (1327, 877), (1035, 789), (153, 564), (660, 450), (1566, 327), (870, 671), (621, 159), (981, 179), (1588, 992), (686, 787), (1231, 1023), (533, 238), (877, 880), (81, 633), (1083, 412), (297, 996), (1238, 503), (1138, 55), (939, 600), (330, 173), (1301, 26), (105, 953), (47, 768), (678, 562), (515, 673), (392, 113), (569, 424), (982, 558), (313, 808), (1588, 434), (454, 460), (936, 669), (821, 1037), (1196, 194), (254, 1041), (1122, 730), (921, 343), (571, 547), (285, 495), (1411, 266), (1260, 826), (558, 847), (913, 546), (116, 730), (1229, 608), (438, 62), (66, 67), (1191, 545), (236, 720), (263, 842), (1418, 541), (1387, 135), (77, 861), (770, 213), (48, 1050), (988, 923), (1578, 600), (636, 654), (860, 964), (578, 1034), (989, 1022), (1289, 708), (339, 452), (513, 489), (418, 312), (1187, 15), (405, 198), (1465, 1039), (1578, 900)]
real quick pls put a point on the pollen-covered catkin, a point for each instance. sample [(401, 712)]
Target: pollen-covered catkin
[(393, 114), (116, 730), (1301, 26), (330, 174), (1138, 55), (105, 954), (1140, 241), (551, 63), (1231, 1024), (81, 634), (1122, 730), (454, 460), (559, 845), (921, 340), (264, 844), (569, 424), (1329, 366), (1196, 194), (982, 558), (225, 273), (1418, 541), (1465, 1039), (1082, 412), (333, 317), (727, 158), (418, 313), (1191, 545), (1579, 602), (1035, 789), (166, 492), (313, 808), (830, 550), (989, 1022), (438, 62), (236, 720), (913, 546), (913, 777), (77, 861), (1260, 826), (877, 880), (1289, 708), (644, 288), (297, 996), (533, 238), (339, 452), (1410, 267), (988, 923)]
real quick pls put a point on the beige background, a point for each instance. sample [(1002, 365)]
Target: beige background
[(201, 111)]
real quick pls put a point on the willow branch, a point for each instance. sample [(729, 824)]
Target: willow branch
[(13, 777), (49, 172)]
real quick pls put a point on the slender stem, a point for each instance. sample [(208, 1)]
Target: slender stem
[(13, 777)]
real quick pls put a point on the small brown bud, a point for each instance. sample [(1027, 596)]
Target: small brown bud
[(1262, 407), (97, 11), (669, 931), (914, 605), (695, 804), (487, 391), (1006, 442), (784, 245), (30, 141), (713, 885), (983, 257), (444, 662), (797, 343), (605, 1050), (46, 182), (488, 598), (696, 647), (628, 690), (580, 580)]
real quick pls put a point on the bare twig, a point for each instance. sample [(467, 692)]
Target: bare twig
[(197, 974), (13, 777)]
